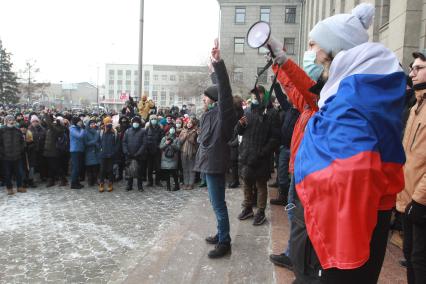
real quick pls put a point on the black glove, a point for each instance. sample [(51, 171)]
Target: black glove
[(416, 212)]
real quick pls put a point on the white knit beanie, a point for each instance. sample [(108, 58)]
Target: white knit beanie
[(34, 118), (343, 31)]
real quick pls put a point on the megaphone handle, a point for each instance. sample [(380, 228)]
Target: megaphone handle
[(270, 50)]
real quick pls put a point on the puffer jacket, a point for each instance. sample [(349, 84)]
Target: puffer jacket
[(54, 131), (109, 144), (216, 128), (11, 143), (169, 163), (414, 143), (134, 143), (154, 134), (39, 137), (92, 147), (259, 139), (76, 139)]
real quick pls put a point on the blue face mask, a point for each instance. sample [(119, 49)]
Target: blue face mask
[(154, 122), (135, 125), (310, 67)]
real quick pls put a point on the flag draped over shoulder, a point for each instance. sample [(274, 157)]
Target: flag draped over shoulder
[(349, 165)]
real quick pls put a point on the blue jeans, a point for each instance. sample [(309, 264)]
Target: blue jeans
[(283, 177), (10, 168), (290, 210), (216, 189), (77, 162)]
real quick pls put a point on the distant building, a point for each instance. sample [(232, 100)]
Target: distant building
[(167, 85), (236, 17), (67, 95)]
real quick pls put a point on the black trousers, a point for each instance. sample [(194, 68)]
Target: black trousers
[(106, 170), (92, 174), (54, 168), (234, 171), (153, 164), (414, 249), (174, 174), (307, 268), (141, 170)]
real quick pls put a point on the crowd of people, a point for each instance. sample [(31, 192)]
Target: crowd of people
[(62, 148), (345, 131)]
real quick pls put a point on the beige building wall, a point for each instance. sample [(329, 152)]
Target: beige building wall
[(399, 24)]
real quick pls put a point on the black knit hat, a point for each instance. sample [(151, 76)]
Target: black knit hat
[(75, 120), (136, 119), (212, 92)]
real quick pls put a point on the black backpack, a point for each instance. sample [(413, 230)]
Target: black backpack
[(62, 143), (169, 152)]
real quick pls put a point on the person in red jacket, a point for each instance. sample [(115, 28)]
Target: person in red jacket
[(302, 91)]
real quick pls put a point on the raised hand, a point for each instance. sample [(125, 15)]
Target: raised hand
[(215, 54)]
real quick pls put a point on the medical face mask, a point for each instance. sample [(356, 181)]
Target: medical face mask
[(310, 67), (154, 122), (135, 125)]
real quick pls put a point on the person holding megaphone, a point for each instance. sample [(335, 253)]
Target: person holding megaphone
[(349, 165)]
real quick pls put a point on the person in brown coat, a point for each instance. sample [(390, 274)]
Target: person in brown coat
[(188, 140), (412, 200)]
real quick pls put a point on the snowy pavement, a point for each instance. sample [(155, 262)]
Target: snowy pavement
[(60, 235)]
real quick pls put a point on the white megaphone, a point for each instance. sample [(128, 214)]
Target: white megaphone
[(259, 35)]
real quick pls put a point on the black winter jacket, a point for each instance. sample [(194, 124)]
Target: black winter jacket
[(52, 135), (260, 137), (11, 143), (154, 134), (134, 143), (216, 128)]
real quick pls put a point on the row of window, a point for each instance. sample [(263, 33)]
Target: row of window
[(289, 45), (265, 14), (238, 75)]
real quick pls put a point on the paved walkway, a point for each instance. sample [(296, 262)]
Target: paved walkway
[(58, 235)]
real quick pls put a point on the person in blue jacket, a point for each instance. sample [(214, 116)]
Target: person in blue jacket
[(77, 151)]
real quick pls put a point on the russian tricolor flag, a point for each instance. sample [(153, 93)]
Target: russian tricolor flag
[(349, 164)]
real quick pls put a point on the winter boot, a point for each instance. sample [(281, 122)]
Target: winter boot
[(50, 183), (10, 191), (110, 187), (246, 213), (101, 187), (22, 189), (259, 218), (64, 182), (221, 249)]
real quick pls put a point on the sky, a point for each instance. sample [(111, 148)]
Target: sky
[(72, 40)]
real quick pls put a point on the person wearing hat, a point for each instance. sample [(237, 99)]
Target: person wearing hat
[(350, 159), (154, 134), (39, 137), (134, 147), (77, 134), (108, 148), (212, 158), (120, 159), (411, 202), (259, 139), (11, 150)]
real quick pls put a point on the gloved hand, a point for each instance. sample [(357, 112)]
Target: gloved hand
[(416, 212), (279, 52)]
